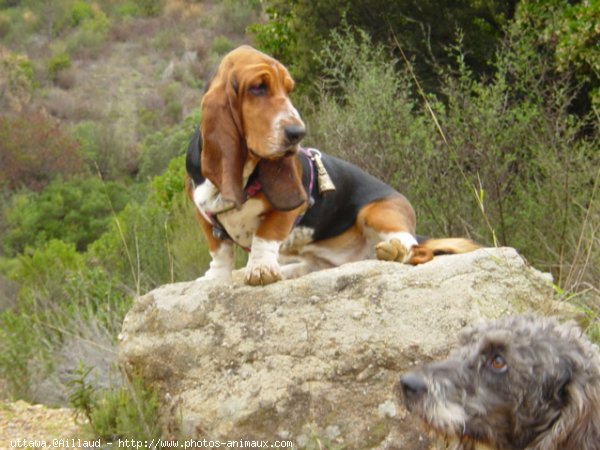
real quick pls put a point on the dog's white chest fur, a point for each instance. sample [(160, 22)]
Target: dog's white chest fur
[(241, 224)]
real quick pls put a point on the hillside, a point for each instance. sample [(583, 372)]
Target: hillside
[(128, 76), (483, 114)]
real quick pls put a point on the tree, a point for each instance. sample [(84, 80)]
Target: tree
[(34, 150), (425, 29)]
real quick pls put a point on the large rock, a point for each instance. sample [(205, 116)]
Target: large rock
[(316, 358)]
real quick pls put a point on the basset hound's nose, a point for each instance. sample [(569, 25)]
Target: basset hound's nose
[(294, 133)]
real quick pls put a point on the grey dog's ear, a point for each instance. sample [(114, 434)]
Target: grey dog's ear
[(565, 375), (554, 384)]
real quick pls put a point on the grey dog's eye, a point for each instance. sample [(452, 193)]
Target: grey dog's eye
[(498, 364)]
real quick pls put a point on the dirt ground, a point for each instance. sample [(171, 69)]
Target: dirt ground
[(23, 424)]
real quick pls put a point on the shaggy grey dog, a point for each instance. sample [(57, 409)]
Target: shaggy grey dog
[(522, 382)]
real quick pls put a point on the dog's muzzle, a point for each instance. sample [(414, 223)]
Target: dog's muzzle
[(412, 388)]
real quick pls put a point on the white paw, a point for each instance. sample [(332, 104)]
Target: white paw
[(396, 247), (215, 274), (262, 267), (392, 251), (222, 263), (262, 274)]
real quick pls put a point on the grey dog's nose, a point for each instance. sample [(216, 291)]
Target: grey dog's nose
[(294, 133), (413, 386)]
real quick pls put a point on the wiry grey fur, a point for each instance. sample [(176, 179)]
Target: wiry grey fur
[(546, 396)]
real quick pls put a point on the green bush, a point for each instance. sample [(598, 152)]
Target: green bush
[(147, 246), (513, 167), (569, 31), (103, 150), (424, 27), (67, 309), (76, 211), (173, 107), (57, 62), (89, 38), (236, 15), (4, 24), (150, 7), (17, 79), (157, 241), (127, 9), (366, 112), (168, 186), (80, 12), (275, 37), (21, 344), (168, 40), (27, 350), (160, 147), (222, 45), (120, 412)]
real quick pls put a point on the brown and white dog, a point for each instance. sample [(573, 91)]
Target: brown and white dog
[(254, 185)]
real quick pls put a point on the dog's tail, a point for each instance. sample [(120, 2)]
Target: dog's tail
[(428, 248)]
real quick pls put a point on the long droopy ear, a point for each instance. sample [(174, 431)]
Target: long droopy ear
[(281, 182), (223, 145)]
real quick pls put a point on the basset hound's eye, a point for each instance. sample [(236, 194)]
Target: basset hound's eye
[(258, 90)]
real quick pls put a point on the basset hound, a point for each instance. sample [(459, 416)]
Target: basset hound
[(255, 186)]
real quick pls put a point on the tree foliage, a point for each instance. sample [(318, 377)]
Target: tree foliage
[(76, 211), (508, 163), (34, 150), (570, 31), (425, 28)]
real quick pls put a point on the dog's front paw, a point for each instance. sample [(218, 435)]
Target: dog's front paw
[(392, 250), (213, 274), (262, 267), (221, 265), (262, 274)]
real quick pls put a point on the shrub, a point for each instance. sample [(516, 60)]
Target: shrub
[(173, 108), (68, 311), (275, 36), (103, 150), (236, 15), (88, 40), (34, 150), (127, 9), (57, 62), (4, 24), (222, 45), (66, 79), (21, 344), (76, 211), (513, 167), (120, 412), (60, 103), (160, 147), (170, 184), (365, 111), (16, 81), (150, 7), (26, 351), (168, 40), (159, 240), (81, 11), (147, 246)]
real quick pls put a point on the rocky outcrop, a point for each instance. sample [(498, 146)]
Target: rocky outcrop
[(315, 359)]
